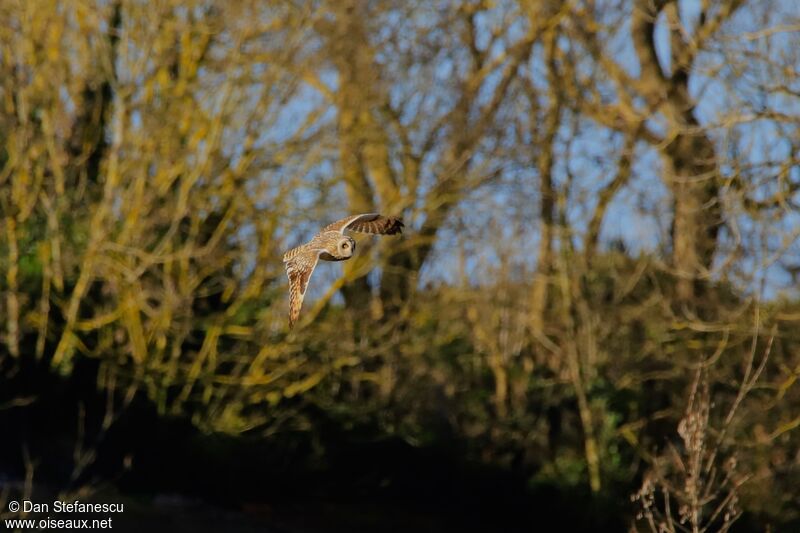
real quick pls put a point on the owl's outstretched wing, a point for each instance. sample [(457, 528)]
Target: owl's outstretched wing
[(300, 263), (368, 223)]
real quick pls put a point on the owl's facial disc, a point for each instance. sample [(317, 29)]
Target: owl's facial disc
[(346, 247)]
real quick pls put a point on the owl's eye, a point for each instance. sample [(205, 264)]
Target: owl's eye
[(345, 245)]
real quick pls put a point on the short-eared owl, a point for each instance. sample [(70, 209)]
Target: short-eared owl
[(330, 244)]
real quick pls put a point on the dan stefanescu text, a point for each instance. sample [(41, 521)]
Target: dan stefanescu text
[(72, 507)]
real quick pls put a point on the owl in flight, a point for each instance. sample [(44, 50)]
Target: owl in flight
[(330, 244)]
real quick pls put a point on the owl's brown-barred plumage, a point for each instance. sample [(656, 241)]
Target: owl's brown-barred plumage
[(330, 244)]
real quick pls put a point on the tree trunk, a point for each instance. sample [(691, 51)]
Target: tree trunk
[(691, 174), (690, 163), (547, 194), (353, 58)]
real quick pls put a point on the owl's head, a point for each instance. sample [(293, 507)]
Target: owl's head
[(345, 247)]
